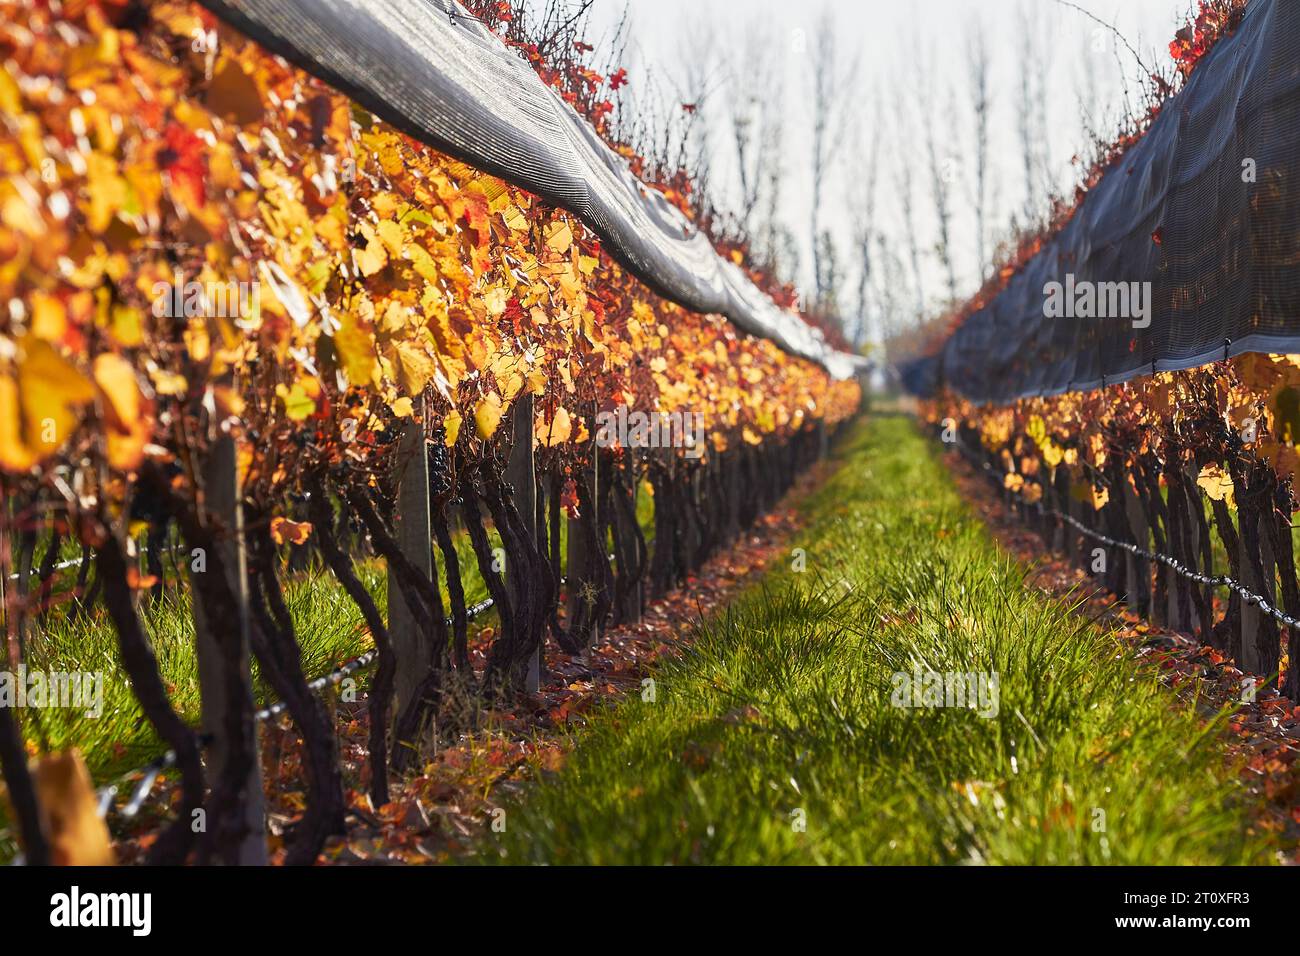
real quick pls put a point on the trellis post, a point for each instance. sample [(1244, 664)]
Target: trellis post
[(1138, 578), (414, 532), (1269, 656), (522, 479), (1250, 613), (1077, 542), (1191, 532), (578, 562), (1254, 657), (222, 501)]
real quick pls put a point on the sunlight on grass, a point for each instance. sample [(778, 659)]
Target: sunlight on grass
[(776, 741)]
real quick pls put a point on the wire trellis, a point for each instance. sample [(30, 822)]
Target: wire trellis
[(151, 771), (1213, 580)]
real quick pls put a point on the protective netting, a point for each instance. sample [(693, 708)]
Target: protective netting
[(433, 71), (1205, 207)]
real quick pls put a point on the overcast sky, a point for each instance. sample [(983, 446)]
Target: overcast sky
[(907, 52)]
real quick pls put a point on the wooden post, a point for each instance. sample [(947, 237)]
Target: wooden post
[(1137, 571), (222, 491), (1250, 613), (636, 599), (577, 569), (522, 478), (694, 534), (1078, 553), (1191, 533), (579, 562), (731, 494), (1271, 654), (414, 531)]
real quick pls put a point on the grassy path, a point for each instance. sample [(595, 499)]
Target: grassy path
[(777, 740)]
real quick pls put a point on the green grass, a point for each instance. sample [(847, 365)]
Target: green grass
[(328, 625), (329, 629), (782, 712)]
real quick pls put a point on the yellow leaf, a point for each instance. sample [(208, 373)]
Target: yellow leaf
[(487, 414), (511, 385), (374, 256), (559, 237), (557, 431), (415, 367), (105, 191), (355, 344), (11, 100), (298, 404), (52, 393), (1215, 482), (168, 383), (390, 234), (234, 94), (515, 220), (294, 532), (495, 300), (1036, 429), (49, 318), (14, 455), (128, 420), (451, 425), (116, 380)]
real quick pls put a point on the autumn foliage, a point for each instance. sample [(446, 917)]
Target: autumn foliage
[(1220, 439), (207, 255), (146, 151)]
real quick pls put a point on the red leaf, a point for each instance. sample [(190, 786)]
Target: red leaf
[(182, 157)]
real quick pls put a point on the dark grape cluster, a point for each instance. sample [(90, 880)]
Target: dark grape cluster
[(439, 464)]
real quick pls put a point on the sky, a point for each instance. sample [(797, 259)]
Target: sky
[(908, 67)]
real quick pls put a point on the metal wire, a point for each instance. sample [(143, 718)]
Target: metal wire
[(151, 770), (60, 566), (1215, 580)]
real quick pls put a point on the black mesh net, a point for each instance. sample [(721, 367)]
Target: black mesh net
[(439, 75), (1205, 208)]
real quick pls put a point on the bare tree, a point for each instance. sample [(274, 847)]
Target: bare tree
[(1085, 85), (1042, 72), (755, 101), (977, 61), (832, 79), (751, 95), (1027, 127), (904, 188), (893, 319), (863, 210), (702, 77), (773, 174), (932, 102)]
